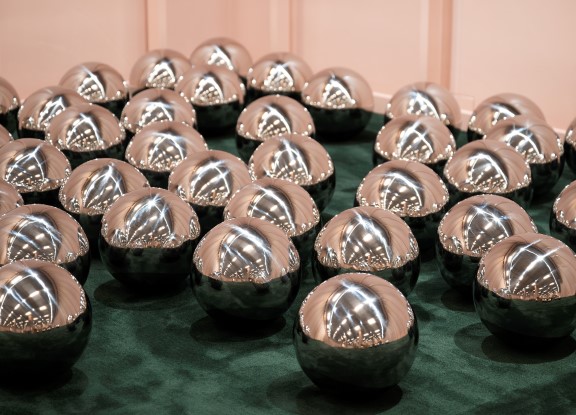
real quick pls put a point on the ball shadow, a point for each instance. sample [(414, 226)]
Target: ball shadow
[(295, 393), (476, 340), (115, 295), (457, 301), (70, 383), (208, 329)]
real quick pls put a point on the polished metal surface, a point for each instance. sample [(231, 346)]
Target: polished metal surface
[(564, 207), (532, 137), (41, 232), (407, 188), (338, 88), (40, 107), (223, 52), (149, 218), (500, 107), (474, 225), (159, 68), (160, 147), (425, 99), (411, 137), (156, 105), (9, 197), (9, 99), (5, 136), (96, 82), (95, 185), (355, 331), (273, 116), (297, 158), (85, 127), (32, 165), (279, 72), (280, 202), (209, 178), (205, 85), (487, 167)]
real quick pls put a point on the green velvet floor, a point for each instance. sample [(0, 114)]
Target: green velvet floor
[(165, 356)]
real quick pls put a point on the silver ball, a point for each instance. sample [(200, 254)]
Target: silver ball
[(563, 216), (159, 68), (9, 197), (225, 52), (5, 136)]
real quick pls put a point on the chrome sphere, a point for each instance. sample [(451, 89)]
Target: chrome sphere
[(35, 168), (91, 189), (9, 106), (470, 229), (355, 332), (281, 73), (158, 148), (299, 159), (99, 84), (45, 320), (39, 108), (9, 197), (490, 167), (156, 105), (5, 136), (268, 117), (282, 203), (563, 216), (45, 233), (217, 95), (159, 68), (147, 239), (412, 191), (207, 180), (368, 239), (340, 102), (246, 269), (425, 99), (570, 146), (525, 290), (538, 143), (224, 52), (497, 108), (85, 132), (410, 137)]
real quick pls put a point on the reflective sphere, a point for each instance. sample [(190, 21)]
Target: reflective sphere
[(282, 203), (246, 269), (85, 132), (35, 168), (340, 102), (372, 240), (5, 136), (355, 332), (39, 108), (159, 68), (410, 137), (570, 146), (269, 117), (207, 180), (91, 189), (525, 289), (412, 191), (9, 106), (425, 99), (299, 159), (45, 233), (217, 95), (563, 216), (98, 83), (497, 108), (538, 143), (156, 105), (278, 73), (491, 167), (470, 229), (147, 239), (159, 147), (223, 52), (9, 197), (45, 320)]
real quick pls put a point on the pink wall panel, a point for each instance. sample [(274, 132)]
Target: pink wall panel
[(41, 40)]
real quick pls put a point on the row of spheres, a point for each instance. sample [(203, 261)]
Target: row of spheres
[(144, 229)]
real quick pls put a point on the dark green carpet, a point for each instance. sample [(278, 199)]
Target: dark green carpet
[(165, 356)]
